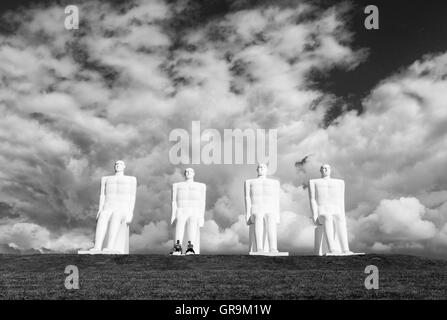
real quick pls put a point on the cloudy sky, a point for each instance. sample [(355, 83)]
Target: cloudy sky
[(373, 104)]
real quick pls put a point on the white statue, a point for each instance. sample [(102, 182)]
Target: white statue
[(262, 213), (327, 202), (116, 205), (188, 210)]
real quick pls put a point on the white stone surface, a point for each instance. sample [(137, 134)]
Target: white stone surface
[(188, 209), (94, 252), (116, 205), (262, 212), (329, 254), (327, 202), (321, 246), (269, 254)]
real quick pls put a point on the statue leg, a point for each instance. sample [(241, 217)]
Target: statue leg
[(319, 241), (197, 244), (342, 233), (251, 239), (272, 236), (191, 229), (101, 229), (259, 231), (122, 240), (115, 223), (180, 227), (328, 223)]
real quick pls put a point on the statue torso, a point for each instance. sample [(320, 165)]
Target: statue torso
[(119, 190), (189, 194), (263, 193), (329, 195)]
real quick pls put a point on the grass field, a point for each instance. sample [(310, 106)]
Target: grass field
[(221, 277)]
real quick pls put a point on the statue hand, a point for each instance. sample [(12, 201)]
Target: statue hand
[(129, 218), (315, 221)]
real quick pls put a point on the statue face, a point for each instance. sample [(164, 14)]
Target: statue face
[(189, 173), (262, 169), (119, 166), (325, 170)]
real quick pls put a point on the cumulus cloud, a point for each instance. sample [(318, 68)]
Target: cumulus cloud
[(72, 102), (154, 237), (24, 236), (397, 221), (391, 156)]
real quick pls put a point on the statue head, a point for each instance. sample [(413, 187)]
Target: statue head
[(325, 170), (189, 173), (262, 169), (120, 166)]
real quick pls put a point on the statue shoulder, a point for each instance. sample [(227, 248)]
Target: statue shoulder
[(127, 179), (199, 185), (339, 181), (249, 181), (106, 178), (274, 181)]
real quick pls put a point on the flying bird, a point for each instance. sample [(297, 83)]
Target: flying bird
[(300, 164)]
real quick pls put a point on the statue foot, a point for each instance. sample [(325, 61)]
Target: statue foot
[(92, 251), (110, 251), (335, 253), (274, 251)]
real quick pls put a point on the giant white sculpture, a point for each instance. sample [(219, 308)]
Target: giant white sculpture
[(327, 202), (188, 210), (262, 213), (116, 205)]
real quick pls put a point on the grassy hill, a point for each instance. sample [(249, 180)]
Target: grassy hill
[(221, 277)]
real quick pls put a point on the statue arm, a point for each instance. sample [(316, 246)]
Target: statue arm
[(278, 195), (313, 202), (102, 196), (133, 195), (173, 203), (203, 207), (247, 202), (342, 197)]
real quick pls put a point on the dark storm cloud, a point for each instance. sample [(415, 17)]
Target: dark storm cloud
[(7, 211)]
